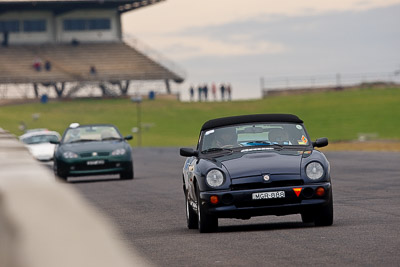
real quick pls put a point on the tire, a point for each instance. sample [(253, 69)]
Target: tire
[(307, 217), (58, 173), (324, 216), (206, 223), (127, 175), (191, 216)]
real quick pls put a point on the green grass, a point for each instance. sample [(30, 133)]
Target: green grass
[(338, 115)]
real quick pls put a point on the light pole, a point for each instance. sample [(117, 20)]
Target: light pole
[(138, 100)]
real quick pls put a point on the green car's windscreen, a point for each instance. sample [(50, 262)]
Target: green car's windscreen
[(91, 133)]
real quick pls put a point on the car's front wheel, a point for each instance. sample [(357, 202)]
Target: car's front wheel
[(58, 172), (324, 215), (127, 175), (206, 223), (191, 216)]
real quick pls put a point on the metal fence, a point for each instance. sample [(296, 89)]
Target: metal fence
[(154, 55), (328, 80)]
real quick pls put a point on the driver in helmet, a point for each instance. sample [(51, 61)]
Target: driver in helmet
[(279, 136), (74, 135), (226, 137)]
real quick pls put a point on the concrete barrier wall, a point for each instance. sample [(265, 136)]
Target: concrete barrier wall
[(46, 223)]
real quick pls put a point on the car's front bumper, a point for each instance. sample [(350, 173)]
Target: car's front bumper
[(81, 167), (239, 204), (43, 157)]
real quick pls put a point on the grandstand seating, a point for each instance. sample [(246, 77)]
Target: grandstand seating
[(113, 62)]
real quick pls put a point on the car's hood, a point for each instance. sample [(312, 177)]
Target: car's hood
[(257, 163), (107, 146)]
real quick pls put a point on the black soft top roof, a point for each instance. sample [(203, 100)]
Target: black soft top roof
[(91, 125), (249, 119)]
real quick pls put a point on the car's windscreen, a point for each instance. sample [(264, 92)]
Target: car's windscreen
[(91, 133), (38, 139), (258, 134)]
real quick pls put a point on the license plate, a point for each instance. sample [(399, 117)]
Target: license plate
[(268, 195), (95, 162)]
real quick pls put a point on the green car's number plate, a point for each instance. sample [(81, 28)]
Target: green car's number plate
[(95, 162)]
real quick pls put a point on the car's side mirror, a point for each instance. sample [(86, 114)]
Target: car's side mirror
[(129, 137), (54, 142), (320, 142), (188, 152)]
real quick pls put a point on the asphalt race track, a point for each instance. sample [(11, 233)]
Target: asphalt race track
[(149, 211)]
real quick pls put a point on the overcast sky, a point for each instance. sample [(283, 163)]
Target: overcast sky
[(241, 41)]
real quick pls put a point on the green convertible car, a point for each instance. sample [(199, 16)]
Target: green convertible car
[(94, 149)]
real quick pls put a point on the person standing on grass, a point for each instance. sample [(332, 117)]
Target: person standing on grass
[(200, 91), (191, 91), (205, 90), (229, 91), (214, 91), (222, 88)]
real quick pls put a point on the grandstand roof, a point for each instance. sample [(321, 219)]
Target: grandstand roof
[(60, 6), (69, 63)]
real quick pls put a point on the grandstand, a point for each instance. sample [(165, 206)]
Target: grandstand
[(81, 41)]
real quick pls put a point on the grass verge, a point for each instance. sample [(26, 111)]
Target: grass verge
[(340, 116)]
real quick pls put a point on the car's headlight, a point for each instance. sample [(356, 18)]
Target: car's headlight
[(215, 178), (70, 155), (118, 152), (314, 170)]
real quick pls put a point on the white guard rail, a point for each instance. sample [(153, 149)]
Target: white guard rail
[(46, 223)]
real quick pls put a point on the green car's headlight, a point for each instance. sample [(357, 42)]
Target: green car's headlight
[(118, 152), (70, 155), (215, 178), (314, 170)]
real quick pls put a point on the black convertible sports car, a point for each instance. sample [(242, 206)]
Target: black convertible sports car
[(256, 165), (92, 150)]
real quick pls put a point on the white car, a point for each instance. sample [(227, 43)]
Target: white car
[(38, 143)]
